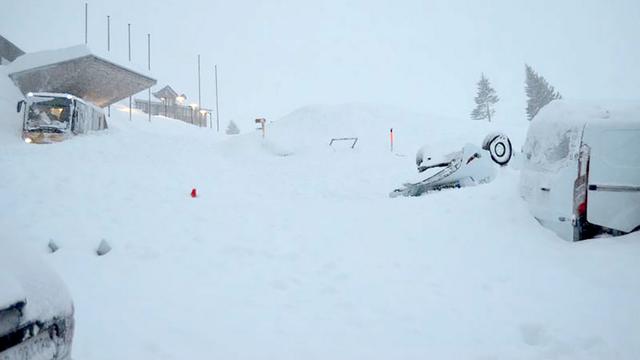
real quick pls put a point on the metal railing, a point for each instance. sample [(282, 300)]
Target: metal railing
[(354, 139)]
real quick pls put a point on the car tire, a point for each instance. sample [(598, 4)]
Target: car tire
[(499, 146), (423, 154)]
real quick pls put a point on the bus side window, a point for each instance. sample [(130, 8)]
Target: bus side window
[(80, 119), (74, 120)]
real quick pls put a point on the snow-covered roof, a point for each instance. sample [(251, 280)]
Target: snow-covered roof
[(70, 96), (570, 113), (76, 70), (166, 92), (8, 50), (556, 132)]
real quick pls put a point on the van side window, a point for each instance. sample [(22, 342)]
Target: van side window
[(560, 150)]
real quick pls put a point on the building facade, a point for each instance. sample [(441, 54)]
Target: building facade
[(169, 104)]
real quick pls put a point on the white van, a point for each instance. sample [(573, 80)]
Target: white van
[(581, 169)]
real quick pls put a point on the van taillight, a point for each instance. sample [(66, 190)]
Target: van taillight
[(582, 208)]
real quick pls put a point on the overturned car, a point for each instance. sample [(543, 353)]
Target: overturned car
[(469, 166)]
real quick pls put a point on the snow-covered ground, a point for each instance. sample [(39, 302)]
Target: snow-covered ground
[(293, 249)]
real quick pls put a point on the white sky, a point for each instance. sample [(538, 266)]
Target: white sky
[(275, 56)]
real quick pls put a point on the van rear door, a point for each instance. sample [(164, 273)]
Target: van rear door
[(613, 198)]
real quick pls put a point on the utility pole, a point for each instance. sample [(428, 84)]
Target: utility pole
[(129, 41), (109, 50), (149, 67), (108, 33), (199, 93), (86, 24), (217, 112)]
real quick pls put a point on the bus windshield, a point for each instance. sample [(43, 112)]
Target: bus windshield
[(48, 114)]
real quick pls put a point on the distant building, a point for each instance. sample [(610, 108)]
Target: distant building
[(8, 51), (174, 106)]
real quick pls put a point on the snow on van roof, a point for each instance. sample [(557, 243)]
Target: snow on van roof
[(582, 112), (555, 133)]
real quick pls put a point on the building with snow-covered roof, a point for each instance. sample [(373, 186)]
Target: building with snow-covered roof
[(78, 71), (174, 106)]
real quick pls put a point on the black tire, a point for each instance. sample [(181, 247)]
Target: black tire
[(423, 154), (499, 146)]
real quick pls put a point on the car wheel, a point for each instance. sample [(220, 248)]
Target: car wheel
[(499, 146), (423, 154)]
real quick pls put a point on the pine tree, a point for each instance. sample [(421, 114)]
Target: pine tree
[(485, 101), (539, 92), (232, 128)]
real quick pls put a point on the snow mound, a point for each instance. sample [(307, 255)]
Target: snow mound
[(313, 127)]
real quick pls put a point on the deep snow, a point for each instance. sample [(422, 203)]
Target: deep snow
[(294, 250)]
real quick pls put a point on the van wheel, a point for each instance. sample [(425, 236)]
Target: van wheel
[(499, 146)]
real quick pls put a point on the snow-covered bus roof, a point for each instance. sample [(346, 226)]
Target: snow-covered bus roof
[(62, 95), (78, 71)]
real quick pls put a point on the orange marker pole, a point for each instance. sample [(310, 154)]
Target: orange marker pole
[(391, 138)]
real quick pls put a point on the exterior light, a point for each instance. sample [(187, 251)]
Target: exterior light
[(203, 112), (28, 140), (193, 106), (30, 94), (69, 97)]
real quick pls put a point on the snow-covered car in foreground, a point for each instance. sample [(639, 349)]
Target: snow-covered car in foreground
[(36, 312), (581, 169), (470, 166)]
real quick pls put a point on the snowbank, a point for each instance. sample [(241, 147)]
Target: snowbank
[(313, 127)]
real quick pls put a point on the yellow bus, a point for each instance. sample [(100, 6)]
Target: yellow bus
[(53, 117)]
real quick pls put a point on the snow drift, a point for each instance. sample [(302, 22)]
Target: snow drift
[(305, 256)]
